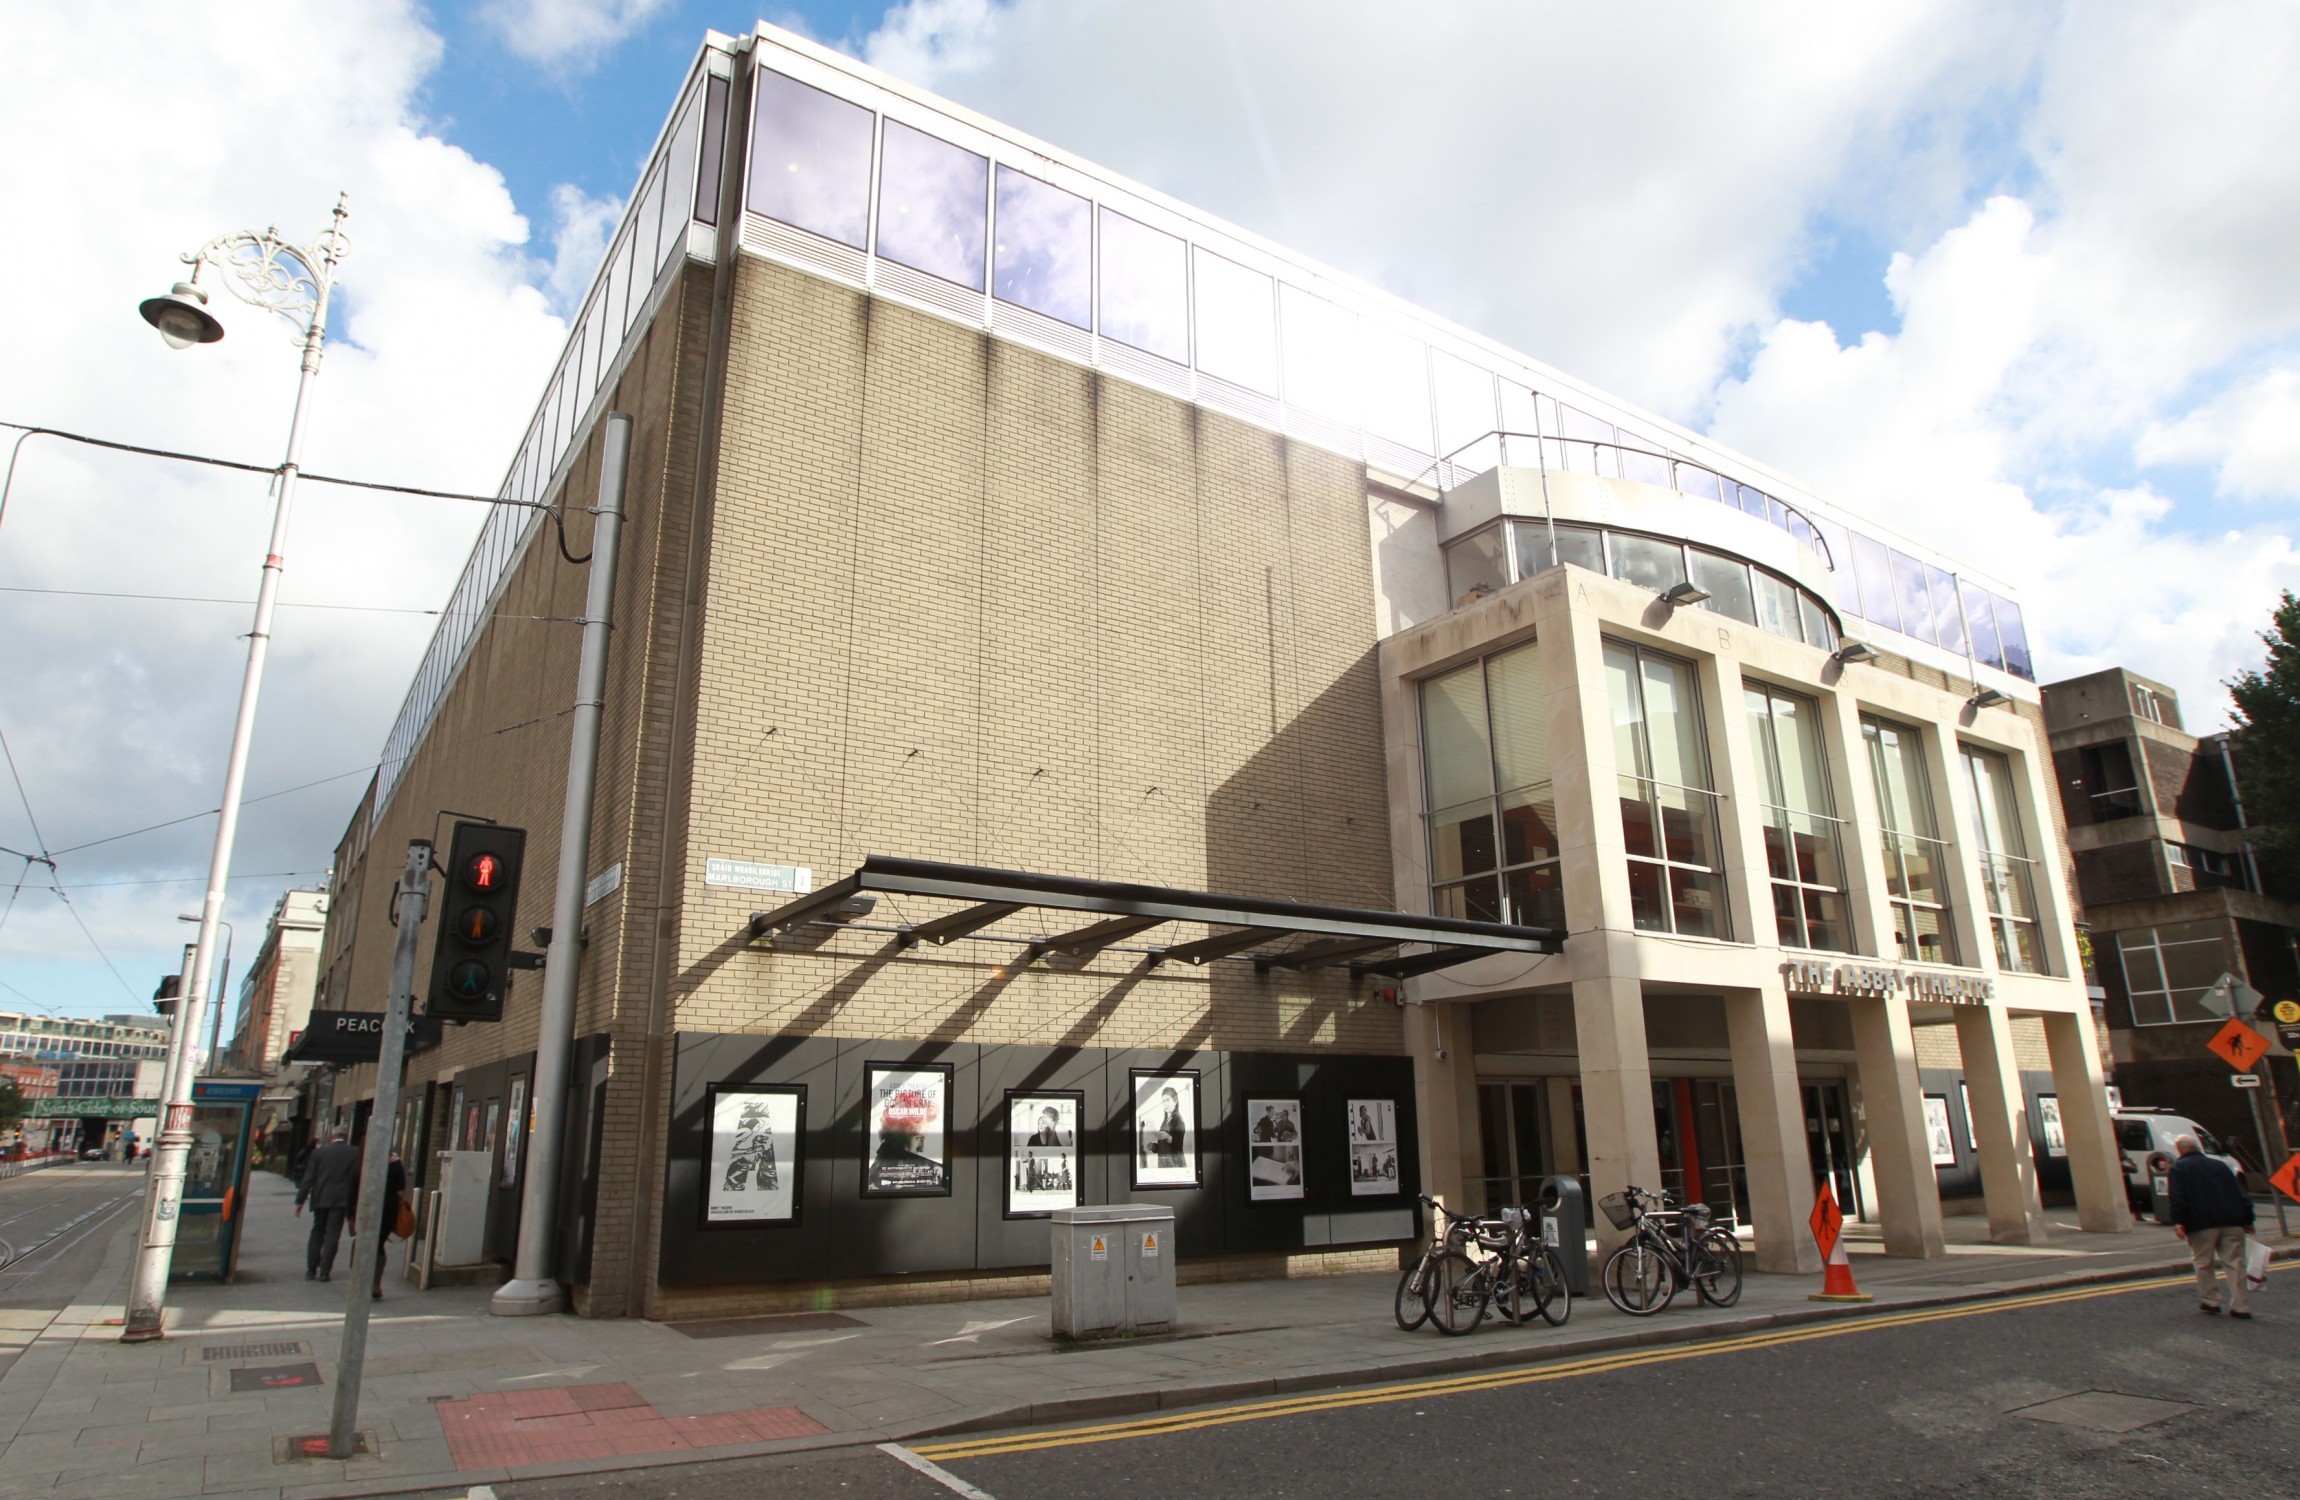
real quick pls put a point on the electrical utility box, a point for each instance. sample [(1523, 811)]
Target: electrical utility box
[(461, 1228), (1113, 1271)]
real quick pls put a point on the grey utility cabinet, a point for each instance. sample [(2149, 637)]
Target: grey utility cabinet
[(1113, 1271)]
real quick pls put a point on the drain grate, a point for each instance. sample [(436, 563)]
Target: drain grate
[(727, 1328), (215, 1352)]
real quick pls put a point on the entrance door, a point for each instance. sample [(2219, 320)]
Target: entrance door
[(1829, 1141), (1717, 1129), (1509, 1126)]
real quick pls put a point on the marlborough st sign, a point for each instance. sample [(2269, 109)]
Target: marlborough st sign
[(1814, 976)]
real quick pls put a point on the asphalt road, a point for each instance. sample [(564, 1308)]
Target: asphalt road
[(1946, 1403), (51, 1222)]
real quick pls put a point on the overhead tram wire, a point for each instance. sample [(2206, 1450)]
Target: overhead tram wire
[(380, 609)]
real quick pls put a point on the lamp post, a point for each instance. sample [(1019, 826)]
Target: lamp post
[(223, 987), (277, 275)]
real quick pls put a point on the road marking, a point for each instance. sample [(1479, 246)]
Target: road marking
[(1257, 1411), (935, 1472)]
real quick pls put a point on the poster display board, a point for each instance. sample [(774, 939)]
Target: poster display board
[(2048, 1119), (1042, 1153), (907, 1133), (1273, 1150), (1165, 1150), (752, 1173), (1373, 1134), (1937, 1132)]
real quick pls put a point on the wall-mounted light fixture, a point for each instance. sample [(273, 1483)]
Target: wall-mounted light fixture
[(1679, 594), (1989, 697), (1850, 651)]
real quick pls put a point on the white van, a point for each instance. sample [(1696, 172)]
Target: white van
[(2145, 1138)]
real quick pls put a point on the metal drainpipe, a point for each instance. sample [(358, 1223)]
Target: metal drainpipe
[(2236, 798)]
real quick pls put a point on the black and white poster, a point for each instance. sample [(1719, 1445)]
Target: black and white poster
[(1944, 1141), (1273, 1149), (907, 1135), (1373, 1132), (752, 1173), (1165, 1130), (2048, 1121), (1041, 1153)]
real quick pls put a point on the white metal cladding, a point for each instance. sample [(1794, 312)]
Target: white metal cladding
[(631, 279), (1356, 370)]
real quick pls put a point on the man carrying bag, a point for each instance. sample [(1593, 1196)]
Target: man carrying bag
[(2213, 1213)]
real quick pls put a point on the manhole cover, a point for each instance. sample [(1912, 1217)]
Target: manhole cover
[(727, 1328), (274, 1377), (214, 1353), (2103, 1411)]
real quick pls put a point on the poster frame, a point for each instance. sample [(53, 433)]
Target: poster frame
[(798, 1163), (1351, 1144), (1946, 1124), (1281, 1193), (1134, 1079), (1012, 1097), (871, 1072)]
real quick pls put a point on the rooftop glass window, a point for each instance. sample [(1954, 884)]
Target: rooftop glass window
[(2008, 875), (1237, 324), (2167, 969), (1777, 610), (1913, 848), (1320, 344), (1478, 563), (1044, 258), (1698, 482), (1802, 850), (1145, 288), (1465, 406), (1727, 581), (1397, 388), (2014, 635), (1578, 545), (1493, 819), (810, 159), (1948, 620), (1643, 467), (1916, 606), (1668, 808), (1648, 561), (933, 199), (1874, 568), (1980, 618)]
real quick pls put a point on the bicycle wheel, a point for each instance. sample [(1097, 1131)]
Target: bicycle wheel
[(1552, 1298), (1637, 1280), (1413, 1299), (1717, 1268), (1458, 1290)]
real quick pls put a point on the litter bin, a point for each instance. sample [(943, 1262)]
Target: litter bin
[(1565, 1226), (1113, 1271)]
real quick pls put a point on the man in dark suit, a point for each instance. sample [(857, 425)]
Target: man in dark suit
[(330, 1182)]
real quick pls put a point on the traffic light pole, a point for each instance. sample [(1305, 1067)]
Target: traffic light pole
[(533, 1288), (375, 1163)]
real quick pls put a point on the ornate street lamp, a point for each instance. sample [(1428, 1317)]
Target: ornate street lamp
[(277, 275)]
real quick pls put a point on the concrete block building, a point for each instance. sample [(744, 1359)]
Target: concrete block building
[(1103, 708)]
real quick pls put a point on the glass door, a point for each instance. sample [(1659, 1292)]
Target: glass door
[(1829, 1141), (1511, 1138)]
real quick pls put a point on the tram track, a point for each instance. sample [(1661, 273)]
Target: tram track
[(15, 1262)]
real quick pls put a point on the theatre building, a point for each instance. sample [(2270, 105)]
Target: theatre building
[(1104, 709)]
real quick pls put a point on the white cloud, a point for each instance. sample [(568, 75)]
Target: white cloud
[(119, 711), (570, 34), (583, 226), (2250, 435)]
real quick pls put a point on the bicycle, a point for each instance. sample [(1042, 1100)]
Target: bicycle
[(1672, 1248), (1414, 1282), (1517, 1276)]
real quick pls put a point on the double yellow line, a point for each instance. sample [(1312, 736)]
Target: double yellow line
[(1627, 1359)]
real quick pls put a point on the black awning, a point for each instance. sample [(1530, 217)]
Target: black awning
[(1268, 932)]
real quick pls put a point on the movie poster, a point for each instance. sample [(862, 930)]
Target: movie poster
[(2048, 1120), (1373, 1133), (1041, 1153), (1165, 1130), (752, 1173), (907, 1138), (1937, 1131), (1273, 1149)]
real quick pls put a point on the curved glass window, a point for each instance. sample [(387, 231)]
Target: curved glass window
[(810, 159), (1648, 561), (1044, 257), (1727, 581), (1237, 324), (932, 199), (1145, 288)]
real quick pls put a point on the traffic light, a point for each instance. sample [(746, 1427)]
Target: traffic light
[(170, 991), (471, 962)]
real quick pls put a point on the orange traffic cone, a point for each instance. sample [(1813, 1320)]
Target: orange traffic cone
[(1837, 1278)]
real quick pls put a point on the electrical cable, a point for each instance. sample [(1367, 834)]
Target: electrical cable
[(248, 468), (383, 609), (66, 897)]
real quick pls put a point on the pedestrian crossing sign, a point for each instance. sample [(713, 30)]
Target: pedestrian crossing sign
[(2287, 1178)]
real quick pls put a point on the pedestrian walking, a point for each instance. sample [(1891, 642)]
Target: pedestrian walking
[(2213, 1213), (330, 1182), (394, 1194)]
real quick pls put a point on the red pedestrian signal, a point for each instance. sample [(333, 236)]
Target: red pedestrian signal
[(471, 962), (482, 872)]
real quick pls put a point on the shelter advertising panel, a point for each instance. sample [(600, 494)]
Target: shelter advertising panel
[(1273, 1150), (752, 1173), (1937, 1131), (1041, 1153), (1165, 1129), (908, 1134), (1373, 1131)]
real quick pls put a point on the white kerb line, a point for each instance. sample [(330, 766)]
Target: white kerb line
[(934, 1471)]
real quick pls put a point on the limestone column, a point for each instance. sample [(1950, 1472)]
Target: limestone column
[(1616, 1094), (2000, 1125), (1773, 1150), (1900, 1149), (1448, 1154), (2094, 1162)]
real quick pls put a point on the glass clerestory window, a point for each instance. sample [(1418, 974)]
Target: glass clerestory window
[(810, 159), (933, 201), (1803, 848), (2167, 970), (1044, 256), (1914, 851), (2008, 875), (1493, 818), (1668, 803)]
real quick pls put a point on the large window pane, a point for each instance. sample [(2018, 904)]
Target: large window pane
[(1909, 593), (1476, 561), (1648, 561), (1980, 617), (1777, 606), (1145, 288), (810, 159), (1874, 567), (1819, 630), (1948, 620), (1462, 841), (1043, 258), (1528, 827), (1321, 356), (1673, 722), (1727, 580), (1456, 754), (1237, 324), (1520, 719), (932, 199), (2014, 636), (1698, 482), (1644, 467), (1397, 388), (711, 161), (1465, 410), (1621, 691), (1575, 544)]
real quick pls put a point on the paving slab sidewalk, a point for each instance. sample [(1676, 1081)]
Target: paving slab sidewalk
[(455, 1397)]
